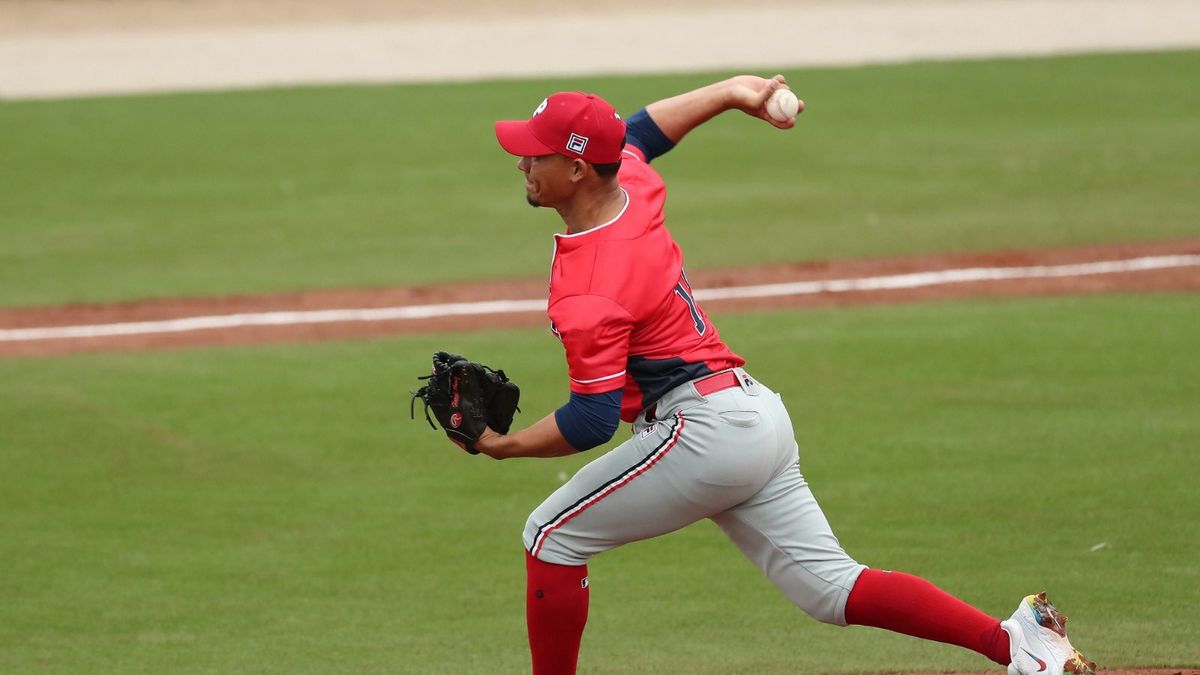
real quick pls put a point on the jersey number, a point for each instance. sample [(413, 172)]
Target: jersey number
[(682, 290)]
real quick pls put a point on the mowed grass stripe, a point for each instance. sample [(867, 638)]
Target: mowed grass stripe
[(289, 189), (274, 510)]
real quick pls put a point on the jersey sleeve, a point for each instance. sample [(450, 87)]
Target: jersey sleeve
[(588, 420), (643, 133), (595, 332)]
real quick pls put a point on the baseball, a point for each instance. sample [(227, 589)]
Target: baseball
[(783, 105)]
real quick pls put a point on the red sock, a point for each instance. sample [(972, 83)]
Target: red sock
[(906, 604), (556, 608)]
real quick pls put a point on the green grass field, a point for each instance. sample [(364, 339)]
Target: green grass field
[(198, 194), (272, 510)]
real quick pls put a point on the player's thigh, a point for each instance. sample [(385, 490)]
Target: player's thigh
[(784, 532), (650, 485)]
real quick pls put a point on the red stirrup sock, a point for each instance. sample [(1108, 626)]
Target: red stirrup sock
[(556, 608), (906, 604)]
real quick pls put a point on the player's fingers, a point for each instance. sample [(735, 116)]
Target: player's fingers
[(768, 87), (783, 83), (771, 85)]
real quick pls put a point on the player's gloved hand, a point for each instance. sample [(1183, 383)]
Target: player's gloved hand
[(749, 93), (467, 398)]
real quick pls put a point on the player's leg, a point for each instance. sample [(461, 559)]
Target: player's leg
[(784, 532), (556, 610), (1034, 640), (673, 470), (908, 604), (667, 476)]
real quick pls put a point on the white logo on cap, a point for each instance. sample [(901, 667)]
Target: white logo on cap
[(541, 107), (577, 143)]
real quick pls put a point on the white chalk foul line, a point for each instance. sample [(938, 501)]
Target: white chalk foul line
[(194, 323), (889, 282), (940, 277)]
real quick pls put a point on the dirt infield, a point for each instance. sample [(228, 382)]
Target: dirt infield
[(140, 325)]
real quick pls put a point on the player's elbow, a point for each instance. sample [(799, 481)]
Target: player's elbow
[(587, 441), (599, 435), (589, 420)]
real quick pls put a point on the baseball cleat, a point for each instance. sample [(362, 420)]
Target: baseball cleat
[(1038, 644)]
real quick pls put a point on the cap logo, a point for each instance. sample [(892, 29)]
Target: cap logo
[(541, 107), (577, 144)]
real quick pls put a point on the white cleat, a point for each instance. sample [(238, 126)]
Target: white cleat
[(1038, 644)]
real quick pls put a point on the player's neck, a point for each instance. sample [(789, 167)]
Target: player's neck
[(590, 210)]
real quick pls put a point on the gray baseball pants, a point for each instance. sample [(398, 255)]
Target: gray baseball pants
[(730, 457)]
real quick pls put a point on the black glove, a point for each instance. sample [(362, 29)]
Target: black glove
[(467, 397)]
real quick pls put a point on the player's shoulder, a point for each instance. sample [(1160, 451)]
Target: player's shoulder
[(634, 152), (646, 190), (635, 167)]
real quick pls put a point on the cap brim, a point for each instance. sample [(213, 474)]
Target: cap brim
[(516, 139)]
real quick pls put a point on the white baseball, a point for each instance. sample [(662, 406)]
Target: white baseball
[(783, 105)]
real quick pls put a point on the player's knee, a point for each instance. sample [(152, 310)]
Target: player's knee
[(536, 540), (530, 532), (551, 546), (825, 612), (823, 597)]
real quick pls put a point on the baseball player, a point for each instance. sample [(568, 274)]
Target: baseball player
[(709, 439)]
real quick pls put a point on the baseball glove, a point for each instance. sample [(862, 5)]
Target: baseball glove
[(466, 397)]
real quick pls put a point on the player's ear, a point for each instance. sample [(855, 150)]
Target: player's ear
[(579, 169)]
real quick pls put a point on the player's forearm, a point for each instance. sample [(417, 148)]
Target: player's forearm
[(542, 439), (678, 115), (674, 117)]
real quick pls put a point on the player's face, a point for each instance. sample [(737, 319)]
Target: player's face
[(547, 179)]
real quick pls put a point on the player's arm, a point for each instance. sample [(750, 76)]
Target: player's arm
[(543, 439), (656, 128), (595, 333), (584, 422)]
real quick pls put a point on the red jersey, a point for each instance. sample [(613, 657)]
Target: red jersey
[(621, 305)]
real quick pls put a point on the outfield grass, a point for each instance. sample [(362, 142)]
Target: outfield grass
[(272, 509), (196, 194)]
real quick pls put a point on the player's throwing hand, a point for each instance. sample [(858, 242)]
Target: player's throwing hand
[(750, 93)]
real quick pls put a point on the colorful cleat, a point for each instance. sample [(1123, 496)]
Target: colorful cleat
[(1038, 644)]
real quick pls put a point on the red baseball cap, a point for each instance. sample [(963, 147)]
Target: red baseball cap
[(568, 123)]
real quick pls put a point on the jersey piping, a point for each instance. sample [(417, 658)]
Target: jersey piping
[(599, 379), (601, 226)]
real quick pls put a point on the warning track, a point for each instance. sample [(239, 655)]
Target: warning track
[(347, 314)]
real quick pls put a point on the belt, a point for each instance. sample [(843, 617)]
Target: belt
[(705, 386), (714, 383)]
